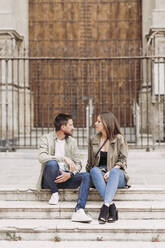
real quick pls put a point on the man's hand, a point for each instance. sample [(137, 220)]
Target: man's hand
[(63, 177), (70, 163)]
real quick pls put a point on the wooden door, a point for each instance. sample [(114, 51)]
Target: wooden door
[(83, 29)]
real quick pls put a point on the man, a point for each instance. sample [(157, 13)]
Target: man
[(58, 153)]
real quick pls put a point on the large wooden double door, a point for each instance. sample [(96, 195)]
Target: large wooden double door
[(88, 31)]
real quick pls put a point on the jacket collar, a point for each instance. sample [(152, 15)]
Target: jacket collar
[(98, 135), (55, 136)]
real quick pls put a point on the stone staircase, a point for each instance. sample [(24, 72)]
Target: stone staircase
[(26, 217)]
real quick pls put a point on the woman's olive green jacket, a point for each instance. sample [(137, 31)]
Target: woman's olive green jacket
[(117, 153)]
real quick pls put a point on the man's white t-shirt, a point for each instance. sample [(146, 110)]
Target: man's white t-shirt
[(60, 151)]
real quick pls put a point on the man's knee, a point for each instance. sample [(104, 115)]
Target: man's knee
[(51, 163), (52, 166)]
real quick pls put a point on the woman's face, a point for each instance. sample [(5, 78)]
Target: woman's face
[(99, 125)]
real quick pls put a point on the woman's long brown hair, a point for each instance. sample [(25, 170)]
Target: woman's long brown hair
[(111, 124)]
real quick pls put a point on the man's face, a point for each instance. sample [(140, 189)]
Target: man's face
[(68, 128)]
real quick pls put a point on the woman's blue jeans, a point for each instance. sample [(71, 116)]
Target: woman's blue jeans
[(51, 171), (107, 190)]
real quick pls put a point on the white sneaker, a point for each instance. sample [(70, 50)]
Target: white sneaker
[(80, 216), (54, 199)]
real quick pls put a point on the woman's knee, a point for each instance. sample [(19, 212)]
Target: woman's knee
[(94, 170), (115, 171)]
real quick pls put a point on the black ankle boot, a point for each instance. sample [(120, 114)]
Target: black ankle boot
[(113, 213), (104, 213)]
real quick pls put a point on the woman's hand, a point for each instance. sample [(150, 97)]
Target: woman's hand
[(106, 176)]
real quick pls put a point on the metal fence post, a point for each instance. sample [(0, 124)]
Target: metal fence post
[(89, 117)]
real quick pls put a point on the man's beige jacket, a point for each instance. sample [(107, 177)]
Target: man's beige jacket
[(47, 153)]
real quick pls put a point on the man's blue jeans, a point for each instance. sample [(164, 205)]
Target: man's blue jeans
[(107, 190), (51, 171)]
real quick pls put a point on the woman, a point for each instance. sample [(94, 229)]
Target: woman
[(107, 162)]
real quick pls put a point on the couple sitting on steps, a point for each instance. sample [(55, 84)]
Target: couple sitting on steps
[(106, 165)]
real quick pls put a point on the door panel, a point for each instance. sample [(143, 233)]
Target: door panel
[(82, 29)]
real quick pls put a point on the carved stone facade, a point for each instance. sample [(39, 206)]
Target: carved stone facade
[(14, 26), (13, 37), (156, 47)]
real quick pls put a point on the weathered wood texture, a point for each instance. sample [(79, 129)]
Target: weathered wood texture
[(84, 28)]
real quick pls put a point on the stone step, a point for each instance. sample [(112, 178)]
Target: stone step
[(42, 210), (81, 244), (132, 194), (65, 230)]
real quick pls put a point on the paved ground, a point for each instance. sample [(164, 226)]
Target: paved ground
[(21, 169)]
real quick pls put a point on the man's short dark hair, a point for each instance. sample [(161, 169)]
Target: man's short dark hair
[(61, 119)]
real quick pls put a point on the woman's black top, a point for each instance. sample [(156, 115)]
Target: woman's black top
[(103, 158)]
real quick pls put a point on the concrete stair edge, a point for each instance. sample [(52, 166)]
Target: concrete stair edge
[(42, 210), (127, 230), (81, 244), (132, 193)]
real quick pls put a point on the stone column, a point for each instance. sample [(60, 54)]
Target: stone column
[(151, 98), (143, 108), (15, 96), (157, 44)]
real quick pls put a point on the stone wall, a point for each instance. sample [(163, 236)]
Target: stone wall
[(14, 89), (14, 34), (153, 44)]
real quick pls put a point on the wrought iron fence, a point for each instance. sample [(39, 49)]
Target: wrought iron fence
[(34, 89)]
